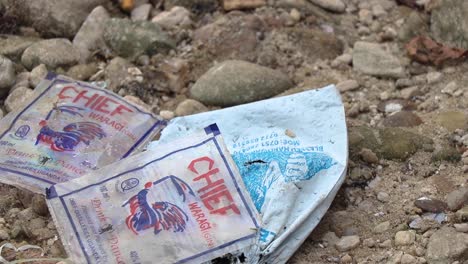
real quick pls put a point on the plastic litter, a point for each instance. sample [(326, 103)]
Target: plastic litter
[(68, 129), (183, 202), (292, 154)]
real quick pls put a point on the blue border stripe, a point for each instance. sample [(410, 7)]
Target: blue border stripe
[(74, 228), (246, 205), (58, 80)]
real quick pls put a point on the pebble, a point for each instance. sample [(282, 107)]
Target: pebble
[(348, 85), (4, 235), (176, 17), (457, 199), (461, 227), (347, 243), (53, 53), (131, 39), (7, 75), (430, 205), (90, 36), (39, 206), (369, 242), (402, 119), (229, 5), (82, 72), (462, 214), (234, 82), (452, 120), (344, 59), (330, 238), (346, 259), (190, 107), (17, 98), (450, 88), (434, 77), (55, 18), (383, 197), (13, 46), (166, 114), (372, 59), (369, 156), (37, 75), (331, 5), (404, 238), (386, 244), (408, 259), (141, 13), (410, 92), (382, 227), (137, 101), (295, 15), (22, 80)]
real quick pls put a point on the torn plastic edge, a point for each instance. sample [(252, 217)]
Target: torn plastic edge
[(212, 129), (51, 192)]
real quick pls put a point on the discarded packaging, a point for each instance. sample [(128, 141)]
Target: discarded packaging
[(292, 154), (183, 202), (67, 129)]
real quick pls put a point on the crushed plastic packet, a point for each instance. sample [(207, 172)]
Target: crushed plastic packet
[(183, 202), (68, 129), (292, 154)]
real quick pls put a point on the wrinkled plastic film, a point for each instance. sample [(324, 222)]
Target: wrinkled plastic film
[(183, 202), (292, 154), (68, 129)]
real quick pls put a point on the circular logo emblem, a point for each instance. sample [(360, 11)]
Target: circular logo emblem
[(129, 184), (22, 131)]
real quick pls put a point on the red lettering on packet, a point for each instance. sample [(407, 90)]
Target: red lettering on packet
[(94, 101), (214, 191)]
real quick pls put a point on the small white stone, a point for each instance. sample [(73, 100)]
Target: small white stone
[(141, 13), (167, 115), (383, 197), (434, 77), (295, 15), (404, 238)]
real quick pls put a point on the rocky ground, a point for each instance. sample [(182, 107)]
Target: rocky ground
[(405, 199)]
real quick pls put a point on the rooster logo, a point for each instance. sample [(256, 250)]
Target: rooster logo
[(72, 134), (159, 215)]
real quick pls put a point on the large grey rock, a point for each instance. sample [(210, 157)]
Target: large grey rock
[(54, 18), (372, 59), (449, 22), (51, 52), (12, 46), (90, 37), (130, 39), (446, 246), (236, 82), (7, 75)]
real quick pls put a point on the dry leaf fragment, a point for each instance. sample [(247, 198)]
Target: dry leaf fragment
[(427, 51)]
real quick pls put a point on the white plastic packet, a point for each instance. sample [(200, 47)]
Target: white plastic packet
[(181, 203), (67, 129), (292, 154)]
